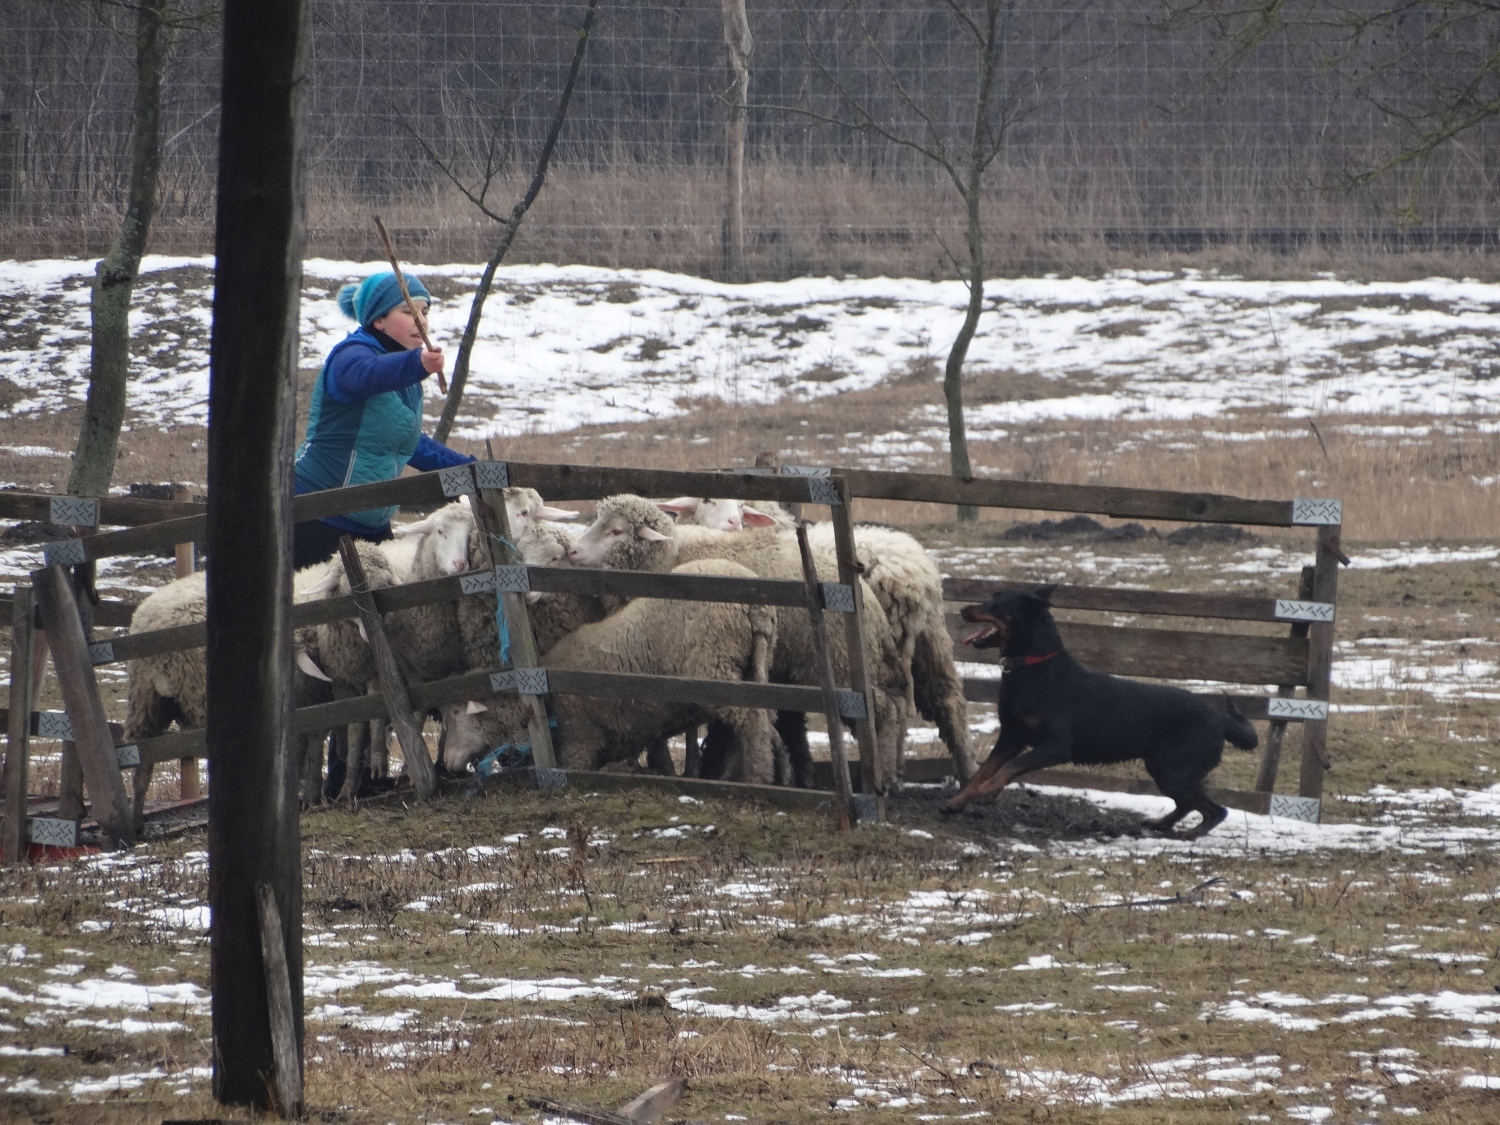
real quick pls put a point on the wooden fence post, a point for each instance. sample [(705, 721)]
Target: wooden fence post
[(1270, 758), (80, 691), (1325, 588), (392, 683), (191, 785), (871, 772), (825, 670), (494, 524), (14, 837), (254, 811)]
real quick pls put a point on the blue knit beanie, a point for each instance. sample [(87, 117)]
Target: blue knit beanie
[(377, 295)]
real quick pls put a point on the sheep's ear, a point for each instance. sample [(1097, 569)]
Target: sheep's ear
[(463, 498), (651, 535), (546, 513), (329, 581), (751, 517), (308, 665), (681, 506), (403, 530), (475, 707)]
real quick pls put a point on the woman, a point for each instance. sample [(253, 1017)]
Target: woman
[(366, 416)]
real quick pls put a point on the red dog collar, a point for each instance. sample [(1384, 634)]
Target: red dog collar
[(1011, 663)]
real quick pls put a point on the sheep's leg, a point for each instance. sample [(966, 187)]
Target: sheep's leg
[(355, 763), (380, 748), (692, 762), (750, 757), (312, 766), (659, 758), (792, 727), (939, 694), (140, 785), (782, 769), (718, 744)]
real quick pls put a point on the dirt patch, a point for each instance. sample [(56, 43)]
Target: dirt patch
[(1018, 812)]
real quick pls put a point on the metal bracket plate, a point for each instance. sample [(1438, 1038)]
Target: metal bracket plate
[(512, 579), (1316, 612), (1296, 808), (64, 552), (54, 833), (851, 704), (78, 511), (531, 681), (838, 597), (477, 582), (54, 724), (1307, 710), (866, 806), (492, 474), (820, 490), (502, 681), (102, 653), (1313, 513), (805, 471), (456, 481), (128, 756), (550, 780)]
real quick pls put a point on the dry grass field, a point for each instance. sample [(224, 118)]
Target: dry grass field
[(463, 956)]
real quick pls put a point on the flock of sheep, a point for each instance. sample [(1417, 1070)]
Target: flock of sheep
[(909, 657)]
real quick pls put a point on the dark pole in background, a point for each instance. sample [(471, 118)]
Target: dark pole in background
[(253, 831)]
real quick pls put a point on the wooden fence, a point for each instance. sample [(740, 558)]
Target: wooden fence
[(1300, 660)]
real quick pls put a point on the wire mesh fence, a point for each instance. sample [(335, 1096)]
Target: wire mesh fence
[(1117, 130)]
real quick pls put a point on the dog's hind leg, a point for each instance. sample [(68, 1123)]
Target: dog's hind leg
[(1193, 800), (1213, 815)]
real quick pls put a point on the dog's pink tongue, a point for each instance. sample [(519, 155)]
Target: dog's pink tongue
[(979, 634)]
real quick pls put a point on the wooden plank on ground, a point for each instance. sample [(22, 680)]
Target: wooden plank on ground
[(14, 836), (937, 769), (650, 1104), (1166, 653), (1106, 500)]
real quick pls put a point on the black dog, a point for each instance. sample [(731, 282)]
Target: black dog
[(1069, 713)]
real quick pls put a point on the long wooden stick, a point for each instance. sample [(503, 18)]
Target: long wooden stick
[(390, 252), (832, 719)]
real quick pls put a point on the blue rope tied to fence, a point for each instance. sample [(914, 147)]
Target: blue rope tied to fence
[(501, 625)]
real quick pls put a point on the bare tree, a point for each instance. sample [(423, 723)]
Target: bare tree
[(1432, 66), (115, 275), (477, 194), (1010, 48)]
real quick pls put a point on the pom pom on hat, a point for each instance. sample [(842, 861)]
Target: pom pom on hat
[(377, 295)]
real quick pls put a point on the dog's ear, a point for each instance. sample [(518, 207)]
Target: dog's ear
[(1044, 594)]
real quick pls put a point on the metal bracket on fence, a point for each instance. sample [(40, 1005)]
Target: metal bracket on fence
[(821, 490), (851, 704), (128, 756), (1314, 513), (549, 780), (54, 724), (456, 481), (66, 552), (502, 681), (477, 582), (532, 681), (1316, 612), (805, 471), (102, 653), (1296, 808), (492, 474), (865, 806), (79, 511), (1308, 710), (512, 579), (838, 597), (54, 833)]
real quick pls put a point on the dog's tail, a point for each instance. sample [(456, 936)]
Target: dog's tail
[(1237, 728)]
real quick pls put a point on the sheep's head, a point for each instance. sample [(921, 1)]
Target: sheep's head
[(628, 533), (545, 544), (444, 548), (719, 514), (525, 509)]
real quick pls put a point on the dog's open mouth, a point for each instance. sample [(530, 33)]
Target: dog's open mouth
[(989, 629)]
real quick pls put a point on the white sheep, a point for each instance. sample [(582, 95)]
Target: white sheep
[(647, 636), (628, 533), (909, 588), (727, 515)]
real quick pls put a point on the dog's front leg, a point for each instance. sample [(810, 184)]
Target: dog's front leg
[(1054, 750), (1006, 749)]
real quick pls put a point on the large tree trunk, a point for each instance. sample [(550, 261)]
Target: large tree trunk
[(254, 836), (114, 279), (737, 39)]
